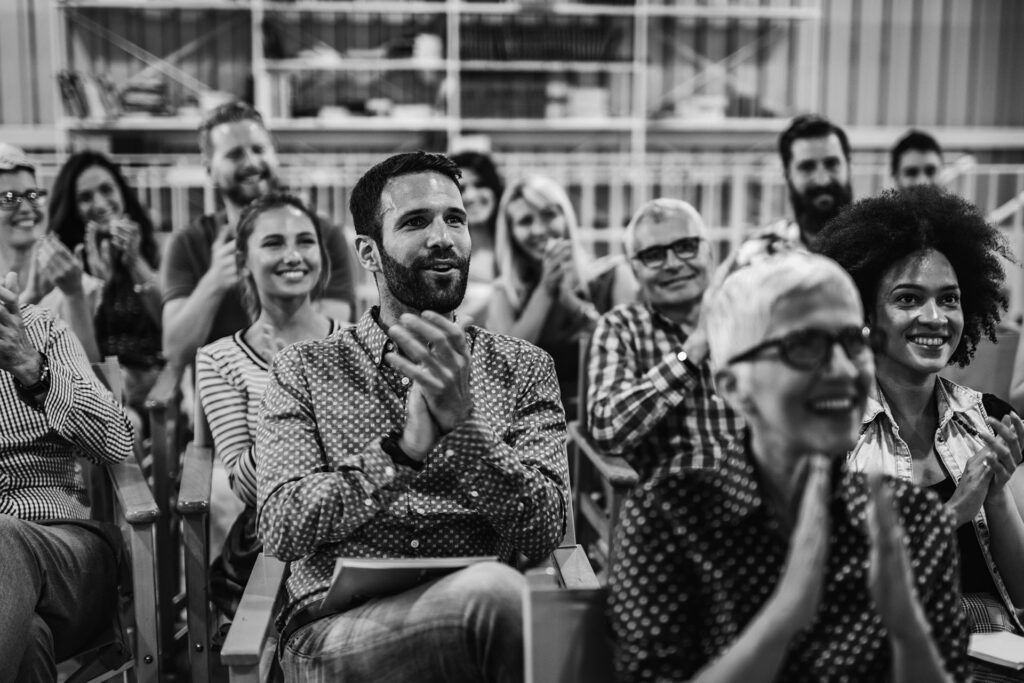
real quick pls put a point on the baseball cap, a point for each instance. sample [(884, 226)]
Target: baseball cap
[(13, 158)]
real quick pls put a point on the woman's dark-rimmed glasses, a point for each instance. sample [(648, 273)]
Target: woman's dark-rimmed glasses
[(811, 349)]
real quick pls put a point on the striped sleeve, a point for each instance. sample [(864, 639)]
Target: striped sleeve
[(225, 402), (77, 405)]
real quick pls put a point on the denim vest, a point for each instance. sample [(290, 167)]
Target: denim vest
[(961, 419)]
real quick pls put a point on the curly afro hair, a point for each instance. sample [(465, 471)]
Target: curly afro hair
[(868, 237)]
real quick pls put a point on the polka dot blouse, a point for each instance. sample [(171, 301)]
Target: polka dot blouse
[(701, 552), (496, 485)]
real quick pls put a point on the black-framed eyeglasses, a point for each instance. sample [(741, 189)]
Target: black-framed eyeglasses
[(10, 201), (811, 349), (685, 249)]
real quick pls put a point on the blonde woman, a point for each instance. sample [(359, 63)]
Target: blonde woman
[(550, 290)]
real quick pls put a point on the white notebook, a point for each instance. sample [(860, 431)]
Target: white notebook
[(1005, 649), (359, 579)]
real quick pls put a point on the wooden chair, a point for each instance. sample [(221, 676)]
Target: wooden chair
[(168, 430), (248, 651), (120, 494), (601, 481)]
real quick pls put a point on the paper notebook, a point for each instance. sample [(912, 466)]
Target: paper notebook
[(357, 580), (1005, 649)]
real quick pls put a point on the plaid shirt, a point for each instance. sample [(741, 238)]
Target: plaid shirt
[(39, 442), (645, 404), (495, 485)]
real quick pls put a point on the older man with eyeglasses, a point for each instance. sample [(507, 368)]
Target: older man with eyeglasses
[(650, 397)]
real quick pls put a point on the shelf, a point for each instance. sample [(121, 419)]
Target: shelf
[(592, 125), (539, 9), (357, 124), (355, 64), (147, 5), (550, 65), (357, 7)]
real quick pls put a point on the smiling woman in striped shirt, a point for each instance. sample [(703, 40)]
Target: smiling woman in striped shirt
[(281, 261)]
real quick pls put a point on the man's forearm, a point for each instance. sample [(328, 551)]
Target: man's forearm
[(79, 312), (187, 325)]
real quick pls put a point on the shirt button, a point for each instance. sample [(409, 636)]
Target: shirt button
[(473, 494), (368, 502), (405, 381), (414, 543), (389, 471), (450, 453)]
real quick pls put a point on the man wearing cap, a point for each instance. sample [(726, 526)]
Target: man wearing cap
[(41, 261), (59, 572)]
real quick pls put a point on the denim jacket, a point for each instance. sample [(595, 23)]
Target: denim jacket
[(961, 419)]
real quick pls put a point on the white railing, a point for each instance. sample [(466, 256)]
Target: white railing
[(735, 192)]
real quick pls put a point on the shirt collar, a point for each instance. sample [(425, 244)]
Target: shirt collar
[(952, 399), (372, 336)]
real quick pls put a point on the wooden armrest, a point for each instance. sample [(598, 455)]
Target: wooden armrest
[(133, 493), (196, 477), (255, 614), (574, 568), (165, 390), (615, 470)]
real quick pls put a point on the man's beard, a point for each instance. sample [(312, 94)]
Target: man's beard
[(241, 196), (811, 218), (420, 291)]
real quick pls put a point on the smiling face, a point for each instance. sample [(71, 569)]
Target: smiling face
[(918, 309), (677, 281), (283, 254), (479, 199), (19, 229), (98, 196), (242, 162), (532, 226), (425, 246), (806, 411), (819, 180)]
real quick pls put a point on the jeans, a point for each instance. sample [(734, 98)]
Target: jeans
[(466, 626), (58, 592)]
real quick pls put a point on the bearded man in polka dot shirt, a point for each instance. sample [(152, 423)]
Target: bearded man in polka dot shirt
[(406, 435)]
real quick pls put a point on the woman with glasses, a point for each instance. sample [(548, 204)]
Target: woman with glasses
[(927, 266), (783, 564), (550, 289), (95, 213)]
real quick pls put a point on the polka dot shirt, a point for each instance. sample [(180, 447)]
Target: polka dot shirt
[(496, 485), (701, 552)]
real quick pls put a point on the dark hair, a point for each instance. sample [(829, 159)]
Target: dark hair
[(483, 166), (912, 140), (868, 237), (364, 202), (67, 223), (809, 126), (229, 112), (246, 225)]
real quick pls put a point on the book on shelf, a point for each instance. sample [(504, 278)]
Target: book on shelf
[(1002, 648), (358, 579)]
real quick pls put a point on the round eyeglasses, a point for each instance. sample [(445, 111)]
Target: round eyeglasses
[(811, 349)]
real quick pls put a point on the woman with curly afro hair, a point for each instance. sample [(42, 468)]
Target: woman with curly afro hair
[(928, 270)]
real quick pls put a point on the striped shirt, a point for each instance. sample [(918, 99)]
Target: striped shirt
[(495, 485), (645, 404), (39, 442), (231, 377)]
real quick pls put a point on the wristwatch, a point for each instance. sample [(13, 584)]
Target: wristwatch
[(389, 444), (41, 385)]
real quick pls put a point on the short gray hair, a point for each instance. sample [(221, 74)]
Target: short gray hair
[(658, 210), (738, 312)]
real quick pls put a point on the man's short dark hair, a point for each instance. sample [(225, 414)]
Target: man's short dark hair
[(365, 200), (810, 126), (912, 140), (229, 112)]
